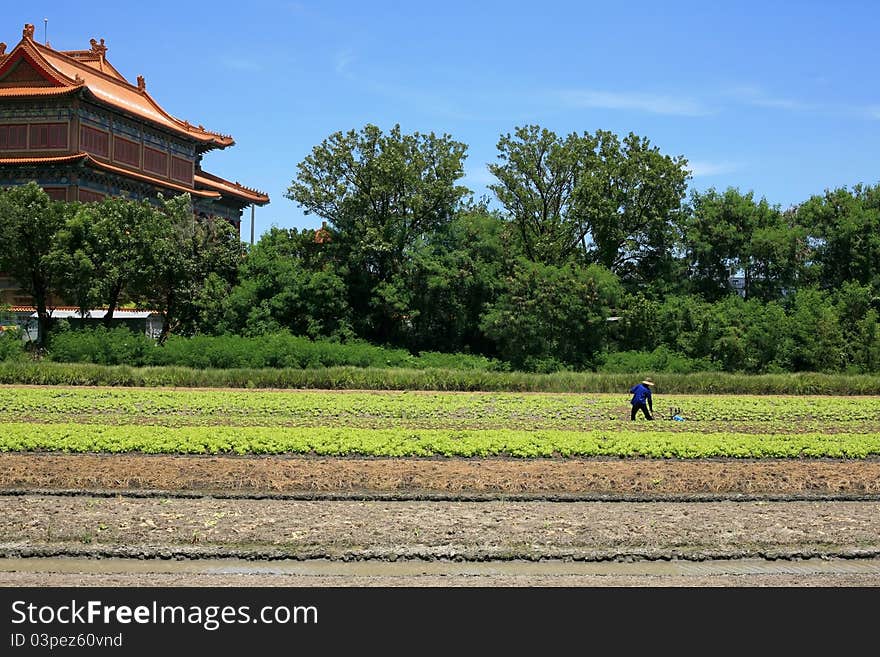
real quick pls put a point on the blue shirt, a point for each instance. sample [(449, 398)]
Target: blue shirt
[(641, 394)]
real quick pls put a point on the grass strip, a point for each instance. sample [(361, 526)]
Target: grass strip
[(356, 378)]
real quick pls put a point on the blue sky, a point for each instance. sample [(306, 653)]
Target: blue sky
[(779, 98)]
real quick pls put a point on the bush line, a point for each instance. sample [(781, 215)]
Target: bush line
[(355, 378)]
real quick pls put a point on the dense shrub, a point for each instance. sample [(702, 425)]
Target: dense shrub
[(275, 350), (429, 359), (11, 345), (100, 345), (550, 314), (120, 346), (662, 359)]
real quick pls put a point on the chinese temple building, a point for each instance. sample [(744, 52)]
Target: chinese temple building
[(71, 122)]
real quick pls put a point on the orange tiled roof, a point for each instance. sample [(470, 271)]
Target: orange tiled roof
[(52, 159), (106, 166), (14, 92), (160, 182), (78, 69), (95, 57), (210, 181)]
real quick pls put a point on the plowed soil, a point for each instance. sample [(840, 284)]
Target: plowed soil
[(447, 478), (452, 511)]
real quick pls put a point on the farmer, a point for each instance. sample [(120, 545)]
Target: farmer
[(642, 399)]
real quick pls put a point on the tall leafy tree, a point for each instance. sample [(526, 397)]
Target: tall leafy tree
[(549, 315), (290, 280), (538, 174), (779, 252), (857, 309), (382, 194), (630, 198), (814, 341), (732, 233), (845, 226), (29, 220), (594, 198), (453, 279), (104, 250), (194, 260)]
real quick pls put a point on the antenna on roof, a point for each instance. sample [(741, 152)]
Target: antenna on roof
[(45, 29)]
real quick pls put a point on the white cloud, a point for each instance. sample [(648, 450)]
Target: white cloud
[(752, 95), (640, 102), (701, 168), (757, 97), (343, 59)]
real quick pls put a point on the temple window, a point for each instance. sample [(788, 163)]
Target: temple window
[(94, 141), (155, 161), (13, 137), (48, 135), (182, 170), (126, 151), (88, 196)]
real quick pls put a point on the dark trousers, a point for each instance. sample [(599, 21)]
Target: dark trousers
[(644, 408)]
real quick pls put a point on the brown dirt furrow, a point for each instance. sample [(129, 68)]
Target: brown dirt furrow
[(35, 525), (411, 478)]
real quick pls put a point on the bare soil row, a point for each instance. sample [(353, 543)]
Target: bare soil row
[(446, 478), (157, 509)]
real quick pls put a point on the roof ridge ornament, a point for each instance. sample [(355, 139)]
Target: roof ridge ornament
[(142, 84), (28, 31), (98, 48), (2, 48)]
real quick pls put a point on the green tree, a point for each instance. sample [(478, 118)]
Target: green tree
[(638, 328), (593, 198), (857, 309), (845, 225), (538, 174), (731, 233), (814, 340), (630, 199), (715, 234), (104, 250), (778, 254), (191, 255), (452, 279), (382, 195), (290, 281), (552, 315), (29, 220), (764, 326), (686, 325), (867, 356)]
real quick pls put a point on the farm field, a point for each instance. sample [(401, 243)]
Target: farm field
[(438, 477), (387, 409)]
